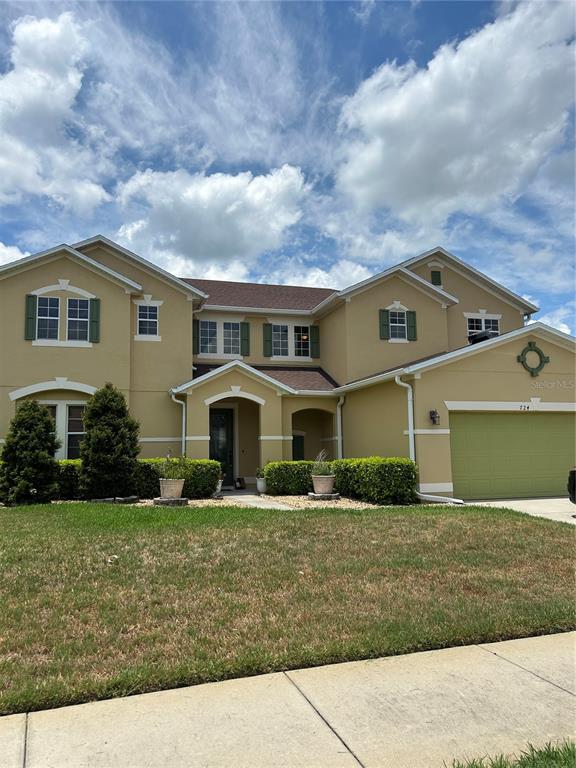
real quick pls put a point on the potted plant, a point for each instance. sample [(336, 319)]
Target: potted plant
[(172, 480), (260, 480), (218, 490), (322, 476)]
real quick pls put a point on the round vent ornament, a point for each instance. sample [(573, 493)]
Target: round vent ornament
[(532, 349)]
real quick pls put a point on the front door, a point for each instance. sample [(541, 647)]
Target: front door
[(222, 441)]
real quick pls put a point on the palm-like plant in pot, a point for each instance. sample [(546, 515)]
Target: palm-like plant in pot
[(260, 480), (172, 479), (322, 476)]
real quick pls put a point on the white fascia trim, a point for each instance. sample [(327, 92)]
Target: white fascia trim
[(256, 310), (315, 392), (369, 381), (63, 248), (474, 349), (276, 437), (429, 432), (433, 290), (59, 343), (147, 337), (63, 285), (436, 487), (450, 256), (236, 392), (46, 386), (130, 255), (534, 404), (229, 367)]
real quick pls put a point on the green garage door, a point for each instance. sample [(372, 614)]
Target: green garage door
[(507, 455)]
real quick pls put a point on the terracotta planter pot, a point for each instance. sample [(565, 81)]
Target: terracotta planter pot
[(171, 489), (323, 483), (261, 484)]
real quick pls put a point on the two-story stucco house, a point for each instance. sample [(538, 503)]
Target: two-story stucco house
[(429, 359)]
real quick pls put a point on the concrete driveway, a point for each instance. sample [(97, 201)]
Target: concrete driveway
[(560, 509)]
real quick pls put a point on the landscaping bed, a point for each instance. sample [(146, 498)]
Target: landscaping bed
[(108, 600)]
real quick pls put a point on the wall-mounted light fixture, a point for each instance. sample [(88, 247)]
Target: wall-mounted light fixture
[(434, 417)]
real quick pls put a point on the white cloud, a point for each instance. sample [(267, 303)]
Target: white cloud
[(563, 318), (468, 131), (38, 153), (216, 218), (339, 275), (10, 253)]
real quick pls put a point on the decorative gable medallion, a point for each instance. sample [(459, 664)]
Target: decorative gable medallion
[(528, 357)]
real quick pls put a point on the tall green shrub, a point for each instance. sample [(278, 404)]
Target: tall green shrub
[(29, 471), (110, 446)]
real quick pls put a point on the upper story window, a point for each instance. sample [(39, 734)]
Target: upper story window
[(48, 318), (279, 340), (479, 322), (302, 341), (78, 319), (436, 277), (147, 320), (398, 324), (231, 338), (208, 337)]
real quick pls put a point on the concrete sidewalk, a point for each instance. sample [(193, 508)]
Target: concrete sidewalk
[(411, 711), (560, 508)]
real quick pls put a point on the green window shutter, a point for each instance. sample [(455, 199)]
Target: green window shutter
[(245, 339), (411, 326), (267, 350), (384, 315), (195, 336), (436, 277), (314, 341), (94, 325), (30, 324)]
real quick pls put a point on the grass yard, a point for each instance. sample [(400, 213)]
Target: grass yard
[(101, 600), (550, 756)]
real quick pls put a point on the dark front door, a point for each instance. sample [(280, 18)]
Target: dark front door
[(222, 441)]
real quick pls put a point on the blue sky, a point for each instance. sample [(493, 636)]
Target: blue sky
[(301, 142)]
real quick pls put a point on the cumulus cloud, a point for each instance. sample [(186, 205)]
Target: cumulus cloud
[(10, 253), (41, 149), (211, 218), (338, 275), (470, 129), (563, 318)]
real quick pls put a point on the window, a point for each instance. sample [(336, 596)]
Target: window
[(208, 336), (436, 277), (74, 431), (147, 320), (78, 314), (48, 318), (280, 340), (231, 338), (301, 341), (397, 324), (477, 324)]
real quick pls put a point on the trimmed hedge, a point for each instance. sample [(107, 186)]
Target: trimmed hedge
[(375, 479), (201, 478), (288, 478)]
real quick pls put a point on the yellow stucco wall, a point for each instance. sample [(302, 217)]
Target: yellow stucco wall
[(374, 420)]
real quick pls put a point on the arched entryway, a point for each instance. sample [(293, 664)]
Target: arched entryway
[(234, 437), (313, 430)]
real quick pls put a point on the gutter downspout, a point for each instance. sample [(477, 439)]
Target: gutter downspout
[(340, 442), (412, 445), (183, 428)]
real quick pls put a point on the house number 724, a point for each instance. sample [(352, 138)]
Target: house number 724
[(524, 407)]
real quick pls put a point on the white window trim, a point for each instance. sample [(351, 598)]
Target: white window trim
[(63, 285), (147, 301), (59, 343), (396, 306), (481, 315), (219, 338), (74, 342), (62, 423), (54, 342), (292, 356)]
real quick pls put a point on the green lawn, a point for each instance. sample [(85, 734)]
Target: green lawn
[(550, 756), (101, 600)]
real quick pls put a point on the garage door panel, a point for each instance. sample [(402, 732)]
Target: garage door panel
[(503, 455)]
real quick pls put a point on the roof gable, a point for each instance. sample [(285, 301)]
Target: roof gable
[(29, 262), (469, 271), (143, 263)]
